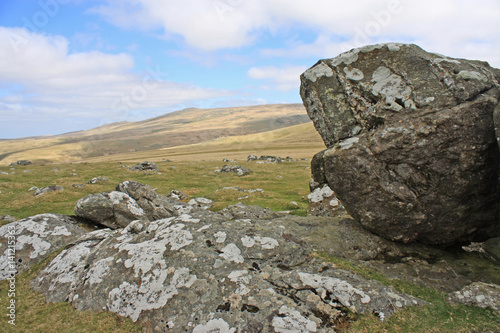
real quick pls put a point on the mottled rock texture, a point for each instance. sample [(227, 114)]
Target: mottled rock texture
[(202, 273), (28, 241), (412, 150)]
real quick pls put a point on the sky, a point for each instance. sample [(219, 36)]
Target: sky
[(69, 65)]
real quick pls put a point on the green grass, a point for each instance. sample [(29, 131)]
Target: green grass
[(282, 183), (438, 316)]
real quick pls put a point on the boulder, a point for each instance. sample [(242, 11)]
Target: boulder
[(412, 150), (47, 189), (96, 180), (238, 169), (111, 209), (145, 166), (243, 211), (28, 241), (155, 206), (202, 274)]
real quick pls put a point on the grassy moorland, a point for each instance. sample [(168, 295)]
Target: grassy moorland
[(185, 127), (191, 170)]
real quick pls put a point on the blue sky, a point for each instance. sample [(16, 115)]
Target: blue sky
[(68, 65)]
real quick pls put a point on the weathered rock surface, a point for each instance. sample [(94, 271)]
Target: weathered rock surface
[(243, 211), (479, 294), (238, 169), (205, 274), (323, 202), (412, 150), (47, 189), (111, 209), (28, 241)]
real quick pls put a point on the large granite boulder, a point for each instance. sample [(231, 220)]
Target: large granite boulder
[(412, 150), (202, 273)]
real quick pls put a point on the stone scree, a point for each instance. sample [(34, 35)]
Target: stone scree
[(411, 138)]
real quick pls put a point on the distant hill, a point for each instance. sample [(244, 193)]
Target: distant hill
[(181, 128)]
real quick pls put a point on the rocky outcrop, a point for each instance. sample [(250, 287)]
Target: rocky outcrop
[(28, 241), (412, 150), (202, 273), (238, 169), (145, 166)]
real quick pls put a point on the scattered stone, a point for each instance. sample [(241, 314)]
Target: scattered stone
[(479, 294), (97, 180), (177, 195), (202, 203), (145, 166), (324, 202), (293, 205), (20, 163), (31, 240), (3, 173), (33, 188), (269, 159), (238, 169), (492, 247), (239, 189), (8, 218), (228, 161), (47, 189), (412, 149), (78, 185), (55, 169), (26, 171)]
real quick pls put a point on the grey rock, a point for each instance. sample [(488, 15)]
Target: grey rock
[(33, 188), (412, 151), (238, 169), (8, 218), (323, 202), (177, 195), (270, 159), (492, 247), (20, 163), (479, 294), (198, 275), (202, 203), (97, 180), (155, 206), (47, 189), (243, 211), (145, 166), (28, 241), (111, 209), (78, 185)]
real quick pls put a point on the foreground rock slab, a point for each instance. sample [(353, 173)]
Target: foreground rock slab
[(31, 240), (201, 273), (412, 150)]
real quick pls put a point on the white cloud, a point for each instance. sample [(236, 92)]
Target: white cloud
[(457, 28), (41, 79), (282, 79)]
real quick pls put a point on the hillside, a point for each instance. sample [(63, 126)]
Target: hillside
[(181, 128)]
